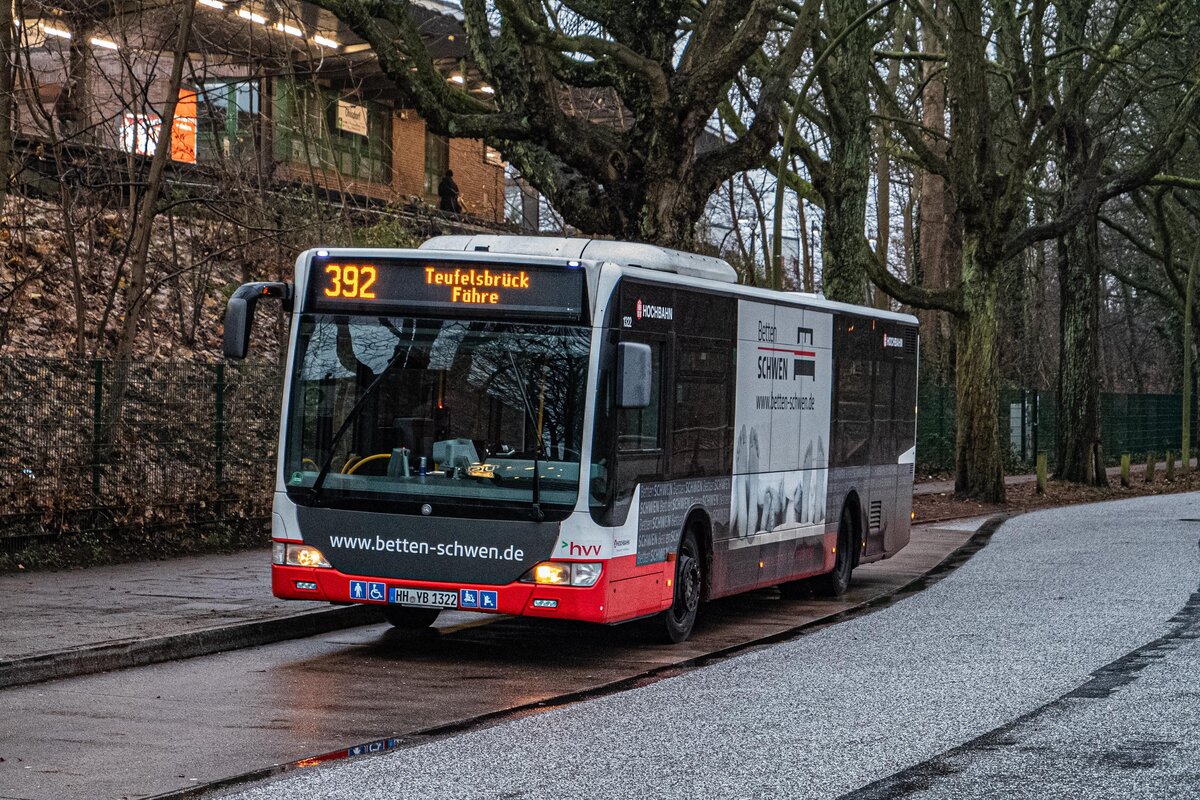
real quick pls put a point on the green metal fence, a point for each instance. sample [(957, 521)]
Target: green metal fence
[(1138, 424), (192, 443)]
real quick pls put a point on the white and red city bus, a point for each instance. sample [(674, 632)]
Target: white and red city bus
[(577, 429)]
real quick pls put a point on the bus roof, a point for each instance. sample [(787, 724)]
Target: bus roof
[(647, 257), (627, 254)]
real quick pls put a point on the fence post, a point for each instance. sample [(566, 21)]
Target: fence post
[(1036, 418), (220, 440), (1024, 425), (1041, 473), (1125, 470), (97, 424)]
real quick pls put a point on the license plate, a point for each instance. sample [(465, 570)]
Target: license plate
[(429, 598)]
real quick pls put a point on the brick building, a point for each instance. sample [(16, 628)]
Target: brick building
[(278, 94)]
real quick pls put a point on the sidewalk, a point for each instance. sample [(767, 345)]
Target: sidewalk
[(1135, 471), (77, 622), (58, 624)]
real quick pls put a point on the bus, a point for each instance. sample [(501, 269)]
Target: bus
[(577, 429)]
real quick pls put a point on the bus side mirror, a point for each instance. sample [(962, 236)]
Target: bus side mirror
[(239, 314), (633, 375)]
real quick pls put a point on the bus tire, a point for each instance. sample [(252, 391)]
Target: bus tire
[(410, 619), (678, 620), (837, 581)]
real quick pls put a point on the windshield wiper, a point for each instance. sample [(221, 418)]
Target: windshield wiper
[(314, 493)]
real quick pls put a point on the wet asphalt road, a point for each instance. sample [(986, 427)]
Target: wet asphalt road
[(164, 727), (1061, 661)]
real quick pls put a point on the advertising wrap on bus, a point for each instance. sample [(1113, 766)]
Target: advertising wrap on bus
[(780, 459), (472, 551)]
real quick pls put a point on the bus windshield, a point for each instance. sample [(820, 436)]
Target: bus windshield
[(453, 411)]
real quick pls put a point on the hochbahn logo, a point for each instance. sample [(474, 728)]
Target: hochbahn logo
[(893, 341), (647, 311)]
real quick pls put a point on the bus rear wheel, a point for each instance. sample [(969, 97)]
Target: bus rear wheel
[(410, 619), (835, 583), (678, 620)]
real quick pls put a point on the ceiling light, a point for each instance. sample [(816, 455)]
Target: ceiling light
[(457, 79), (217, 4), (105, 43), (50, 30), (290, 30), (325, 42), (250, 15), (486, 89)]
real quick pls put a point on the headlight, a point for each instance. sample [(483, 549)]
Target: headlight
[(303, 555), (585, 574), (564, 573)]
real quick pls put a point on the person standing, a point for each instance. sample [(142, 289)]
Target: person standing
[(448, 194)]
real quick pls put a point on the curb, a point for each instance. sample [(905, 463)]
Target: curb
[(157, 649)]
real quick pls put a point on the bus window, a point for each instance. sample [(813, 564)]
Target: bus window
[(884, 436), (853, 427), (640, 428), (702, 423)]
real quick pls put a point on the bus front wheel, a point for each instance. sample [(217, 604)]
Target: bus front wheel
[(410, 619), (677, 621)]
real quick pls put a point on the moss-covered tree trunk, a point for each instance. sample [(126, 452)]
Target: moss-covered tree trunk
[(844, 183), (1077, 441), (979, 460), (1077, 436)]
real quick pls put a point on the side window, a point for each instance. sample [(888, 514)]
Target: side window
[(641, 428), (906, 404), (702, 422), (882, 415)]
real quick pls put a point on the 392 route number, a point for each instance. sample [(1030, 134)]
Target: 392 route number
[(351, 281)]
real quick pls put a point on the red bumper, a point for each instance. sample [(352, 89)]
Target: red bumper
[(625, 591), (556, 602)]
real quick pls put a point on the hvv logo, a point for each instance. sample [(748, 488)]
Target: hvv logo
[(574, 549)]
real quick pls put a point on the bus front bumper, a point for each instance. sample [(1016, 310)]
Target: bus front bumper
[(519, 598)]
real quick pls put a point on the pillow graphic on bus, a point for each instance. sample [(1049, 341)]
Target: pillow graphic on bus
[(771, 501)]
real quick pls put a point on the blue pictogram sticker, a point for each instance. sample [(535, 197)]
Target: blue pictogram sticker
[(487, 600), (368, 591), (468, 598)]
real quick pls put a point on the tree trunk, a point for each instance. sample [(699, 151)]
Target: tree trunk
[(137, 289), (844, 186), (937, 253), (1078, 435), (1189, 303), (1077, 440), (979, 460), (7, 66), (808, 283)]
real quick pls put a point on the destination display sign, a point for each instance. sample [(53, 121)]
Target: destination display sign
[(470, 288)]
